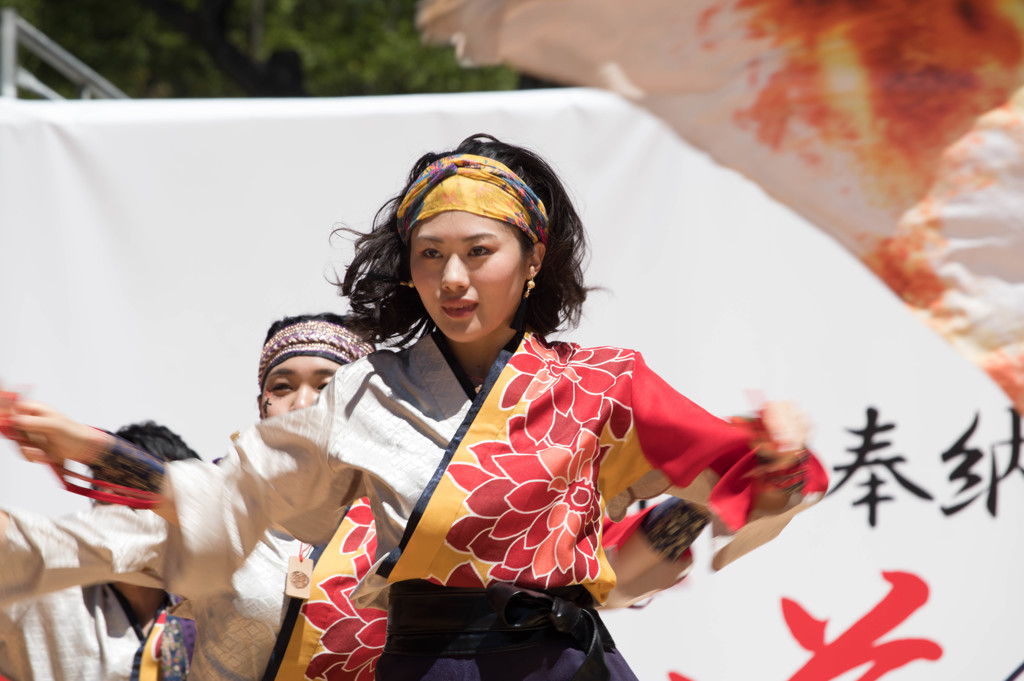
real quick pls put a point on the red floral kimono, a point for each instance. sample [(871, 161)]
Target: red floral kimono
[(520, 495), (467, 489), (332, 639)]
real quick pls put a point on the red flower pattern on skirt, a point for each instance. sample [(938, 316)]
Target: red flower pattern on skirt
[(352, 639), (535, 513)]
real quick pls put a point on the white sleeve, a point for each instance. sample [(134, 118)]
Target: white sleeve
[(103, 544), (281, 473)]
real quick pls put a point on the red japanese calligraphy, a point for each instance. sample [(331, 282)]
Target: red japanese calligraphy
[(860, 644)]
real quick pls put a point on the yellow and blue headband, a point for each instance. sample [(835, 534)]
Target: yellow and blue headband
[(473, 184)]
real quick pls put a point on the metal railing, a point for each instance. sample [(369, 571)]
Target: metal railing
[(15, 32)]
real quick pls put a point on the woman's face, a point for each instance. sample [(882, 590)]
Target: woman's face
[(469, 272), (294, 384)]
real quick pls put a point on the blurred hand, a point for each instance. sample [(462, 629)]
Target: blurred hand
[(46, 436), (786, 433), (7, 400), (780, 437)]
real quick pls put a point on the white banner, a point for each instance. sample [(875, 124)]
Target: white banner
[(145, 246)]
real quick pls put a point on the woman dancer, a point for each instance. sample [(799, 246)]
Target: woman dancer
[(486, 451)]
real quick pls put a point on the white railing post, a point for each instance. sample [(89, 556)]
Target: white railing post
[(15, 32), (9, 53)]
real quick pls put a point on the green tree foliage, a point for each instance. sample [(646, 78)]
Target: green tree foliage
[(232, 48)]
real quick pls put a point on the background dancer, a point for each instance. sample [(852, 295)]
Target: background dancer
[(108, 629), (237, 625)]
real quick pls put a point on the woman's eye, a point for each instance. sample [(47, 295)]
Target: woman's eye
[(430, 253), (479, 250), (322, 386), (280, 387)]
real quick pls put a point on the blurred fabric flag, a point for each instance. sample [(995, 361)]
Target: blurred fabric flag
[(896, 126)]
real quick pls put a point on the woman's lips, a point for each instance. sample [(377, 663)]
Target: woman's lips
[(459, 309)]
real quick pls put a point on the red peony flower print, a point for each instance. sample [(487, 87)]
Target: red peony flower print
[(352, 639), (364, 533), (535, 511)]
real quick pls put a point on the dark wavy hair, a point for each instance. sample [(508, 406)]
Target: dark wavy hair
[(158, 440), (382, 310)]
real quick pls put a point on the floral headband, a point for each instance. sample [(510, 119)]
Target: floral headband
[(474, 184), (315, 337)]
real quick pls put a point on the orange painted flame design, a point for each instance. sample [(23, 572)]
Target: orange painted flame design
[(1007, 370), (904, 262), (891, 83)]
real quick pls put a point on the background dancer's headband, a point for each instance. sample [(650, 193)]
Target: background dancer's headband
[(315, 337), (474, 184)]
